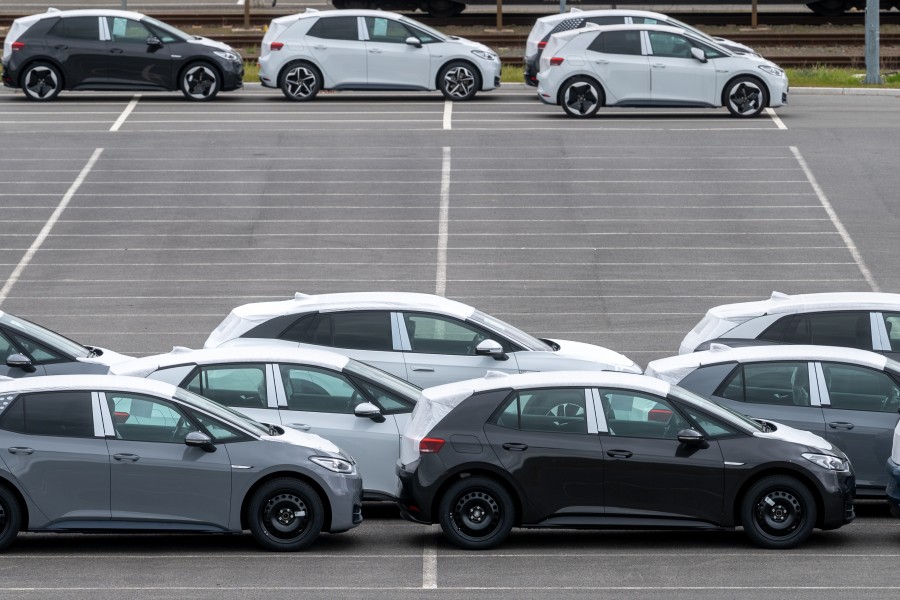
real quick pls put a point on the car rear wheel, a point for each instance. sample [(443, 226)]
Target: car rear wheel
[(476, 513), (459, 81), (778, 512), (745, 97), (285, 515), (41, 82), (199, 82), (301, 82), (10, 518), (581, 97)]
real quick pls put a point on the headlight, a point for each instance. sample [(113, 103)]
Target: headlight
[(227, 55), (336, 465), (772, 70), (484, 55), (832, 463)]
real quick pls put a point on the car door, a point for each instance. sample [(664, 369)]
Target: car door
[(249, 388), (54, 445), (321, 401), (391, 62), (647, 472), (77, 44), (617, 59), (860, 406), (440, 349), (155, 476), (338, 48), (675, 75), (131, 60), (547, 440)]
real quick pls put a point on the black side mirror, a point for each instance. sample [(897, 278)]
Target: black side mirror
[(414, 41), (154, 42), (690, 437), (491, 348), (198, 439), (21, 361)]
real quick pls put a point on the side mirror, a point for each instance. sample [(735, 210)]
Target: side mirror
[(491, 348), (690, 437), (369, 411), (198, 439), (698, 54), (414, 41), (154, 42), (21, 361)]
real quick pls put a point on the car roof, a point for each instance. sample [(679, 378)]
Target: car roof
[(779, 303), (349, 12), (355, 301), (594, 28), (142, 367), (86, 382), (586, 14), (88, 12), (675, 368)]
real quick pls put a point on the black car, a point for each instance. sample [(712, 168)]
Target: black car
[(611, 450), (114, 50)]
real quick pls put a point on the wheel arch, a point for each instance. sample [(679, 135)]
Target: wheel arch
[(724, 101), (786, 472), (42, 59), (20, 498), (326, 504), (488, 473), (580, 75)]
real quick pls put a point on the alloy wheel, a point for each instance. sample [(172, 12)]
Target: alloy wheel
[(300, 82), (200, 82), (459, 82), (581, 99), (42, 82), (745, 98)]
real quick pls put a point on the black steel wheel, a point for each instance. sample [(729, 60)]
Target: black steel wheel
[(459, 80), (199, 82), (476, 513), (778, 512), (581, 97), (10, 518), (300, 82), (41, 82), (745, 97), (285, 515)]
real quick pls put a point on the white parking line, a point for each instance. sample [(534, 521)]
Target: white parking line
[(125, 113), (48, 226), (776, 119), (448, 114), (429, 564), (440, 285)]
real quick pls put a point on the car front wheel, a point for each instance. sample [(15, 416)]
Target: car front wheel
[(778, 512), (476, 513), (41, 82), (285, 515), (199, 82), (10, 518), (581, 97), (459, 81), (746, 97), (301, 82)]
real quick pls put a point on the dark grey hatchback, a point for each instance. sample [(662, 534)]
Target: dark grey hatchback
[(611, 450), (114, 50)]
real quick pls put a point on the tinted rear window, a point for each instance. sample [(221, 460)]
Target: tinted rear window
[(618, 42), (335, 28), (77, 28), (65, 414)]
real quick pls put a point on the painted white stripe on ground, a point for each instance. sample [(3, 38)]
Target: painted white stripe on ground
[(125, 113), (448, 115), (493, 234), (440, 285), (429, 563), (48, 226), (845, 235), (411, 221), (776, 119)]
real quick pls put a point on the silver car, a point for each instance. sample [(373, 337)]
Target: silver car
[(100, 453), (361, 409)]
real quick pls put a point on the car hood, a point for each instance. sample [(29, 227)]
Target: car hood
[(307, 440), (202, 41), (735, 46), (468, 44), (589, 357), (107, 357), (796, 436)]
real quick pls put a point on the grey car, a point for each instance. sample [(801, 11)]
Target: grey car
[(101, 453), (849, 397)]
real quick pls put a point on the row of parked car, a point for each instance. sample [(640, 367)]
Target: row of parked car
[(298, 410), (578, 60)]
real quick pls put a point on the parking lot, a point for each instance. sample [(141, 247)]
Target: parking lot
[(138, 222)]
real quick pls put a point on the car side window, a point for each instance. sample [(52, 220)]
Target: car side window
[(852, 387), (6, 348), (37, 352), (425, 38), (630, 414), (711, 427), (140, 418), (617, 42), (77, 28), (238, 386), (433, 334), (386, 30), (847, 329), (127, 30), (335, 28), (317, 390), (559, 410), (669, 45), (892, 325), (59, 414), (780, 383), (388, 402), (217, 430), (364, 330)]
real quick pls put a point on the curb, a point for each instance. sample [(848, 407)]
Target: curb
[(810, 91)]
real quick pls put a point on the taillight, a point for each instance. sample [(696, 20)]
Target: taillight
[(556, 61), (18, 45), (542, 45), (430, 445), (276, 46)]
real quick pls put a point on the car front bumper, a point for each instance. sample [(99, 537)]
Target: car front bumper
[(837, 501), (345, 494), (893, 487)]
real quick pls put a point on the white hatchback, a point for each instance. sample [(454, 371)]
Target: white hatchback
[(653, 66), (371, 50)]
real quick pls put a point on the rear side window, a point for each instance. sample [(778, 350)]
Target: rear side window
[(847, 329), (335, 28), (779, 383), (61, 414), (238, 386), (77, 28), (549, 410), (618, 42)]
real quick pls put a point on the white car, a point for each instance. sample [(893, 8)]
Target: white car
[(371, 50), (864, 320), (427, 340), (653, 65), (577, 18)]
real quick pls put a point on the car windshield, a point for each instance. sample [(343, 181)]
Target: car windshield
[(224, 413), (391, 383), (717, 410), (46, 337), (516, 335), (893, 367), (432, 32), (176, 33)]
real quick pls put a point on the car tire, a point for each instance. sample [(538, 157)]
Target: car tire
[(459, 81), (274, 515), (300, 82), (41, 82), (745, 97), (778, 512), (476, 513), (199, 82), (581, 97), (10, 518)]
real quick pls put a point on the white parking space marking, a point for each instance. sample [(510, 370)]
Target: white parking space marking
[(429, 563), (448, 115), (443, 225), (775, 118), (128, 109)]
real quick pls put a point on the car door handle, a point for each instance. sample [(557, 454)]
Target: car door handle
[(841, 425), (20, 450), (320, 47), (602, 62), (659, 66), (423, 369), (300, 426), (516, 447), (116, 51), (127, 457), (619, 453), (375, 50), (61, 47)]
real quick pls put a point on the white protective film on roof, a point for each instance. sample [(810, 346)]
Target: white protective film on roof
[(675, 368), (438, 401), (780, 303), (87, 382)]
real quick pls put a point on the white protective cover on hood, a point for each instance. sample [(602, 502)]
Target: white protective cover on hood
[(202, 41), (612, 360), (108, 357), (796, 436), (300, 438)]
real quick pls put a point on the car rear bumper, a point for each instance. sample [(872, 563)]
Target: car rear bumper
[(414, 505), (530, 72), (893, 487)]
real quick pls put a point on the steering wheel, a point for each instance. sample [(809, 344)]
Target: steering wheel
[(565, 409)]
